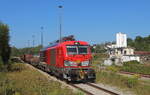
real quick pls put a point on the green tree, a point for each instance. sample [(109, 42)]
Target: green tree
[(5, 49), (130, 42), (15, 51), (99, 48), (140, 43)]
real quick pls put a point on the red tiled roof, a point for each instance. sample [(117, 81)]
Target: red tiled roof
[(142, 53)]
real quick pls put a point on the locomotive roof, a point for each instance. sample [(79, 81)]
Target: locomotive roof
[(63, 43), (51, 45)]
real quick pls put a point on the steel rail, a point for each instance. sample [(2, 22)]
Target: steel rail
[(85, 91), (103, 89), (131, 73)]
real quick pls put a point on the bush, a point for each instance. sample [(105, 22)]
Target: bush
[(136, 67), (99, 56), (112, 69), (127, 83), (12, 67), (131, 62), (131, 82), (3, 68), (17, 67), (30, 82), (111, 78)]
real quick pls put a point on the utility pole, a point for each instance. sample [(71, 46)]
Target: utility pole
[(33, 44), (28, 43), (42, 36), (28, 47), (33, 39)]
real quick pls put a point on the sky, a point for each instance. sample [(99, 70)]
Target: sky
[(94, 21)]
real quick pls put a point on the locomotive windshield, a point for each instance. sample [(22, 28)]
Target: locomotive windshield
[(71, 49), (77, 49), (82, 49)]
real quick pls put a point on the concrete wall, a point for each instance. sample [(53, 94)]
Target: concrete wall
[(130, 58)]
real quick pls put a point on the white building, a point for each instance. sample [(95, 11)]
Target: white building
[(121, 40), (119, 52), (127, 58)]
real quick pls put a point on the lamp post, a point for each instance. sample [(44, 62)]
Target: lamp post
[(42, 36), (33, 44), (28, 43), (33, 40), (60, 22)]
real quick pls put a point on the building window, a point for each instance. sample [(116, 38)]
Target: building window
[(125, 52)]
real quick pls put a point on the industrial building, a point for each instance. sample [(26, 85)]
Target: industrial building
[(120, 52)]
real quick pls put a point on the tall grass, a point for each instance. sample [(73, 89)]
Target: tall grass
[(136, 67), (0, 60), (26, 81), (108, 75), (128, 83)]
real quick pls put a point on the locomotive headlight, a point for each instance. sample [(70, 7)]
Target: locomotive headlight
[(70, 63), (85, 63)]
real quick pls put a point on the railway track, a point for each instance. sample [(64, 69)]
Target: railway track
[(105, 90), (130, 73), (87, 88), (92, 89)]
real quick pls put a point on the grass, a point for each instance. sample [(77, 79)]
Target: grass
[(98, 58), (26, 81), (136, 67), (128, 83), (108, 75)]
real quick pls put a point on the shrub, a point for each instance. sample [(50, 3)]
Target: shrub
[(127, 83), (29, 82), (113, 69), (135, 67), (99, 56), (17, 67), (131, 82), (130, 62), (3, 68)]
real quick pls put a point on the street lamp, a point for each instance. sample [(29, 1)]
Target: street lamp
[(42, 36), (60, 22)]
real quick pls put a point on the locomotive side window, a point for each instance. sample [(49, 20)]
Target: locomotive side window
[(82, 49), (53, 56), (71, 49)]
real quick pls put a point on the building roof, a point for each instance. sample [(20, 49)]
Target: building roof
[(142, 52)]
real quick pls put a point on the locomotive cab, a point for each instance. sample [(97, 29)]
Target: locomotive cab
[(77, 55), (77, 62)]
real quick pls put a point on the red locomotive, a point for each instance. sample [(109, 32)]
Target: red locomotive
[(70, 60)]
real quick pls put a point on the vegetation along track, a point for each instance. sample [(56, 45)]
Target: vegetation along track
[(87, 88), (131, 73)]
